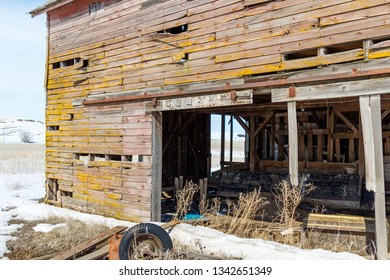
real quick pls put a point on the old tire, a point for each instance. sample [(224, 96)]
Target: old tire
[(144, 241)]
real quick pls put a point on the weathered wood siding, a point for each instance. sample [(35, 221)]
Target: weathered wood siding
[(121, 49)]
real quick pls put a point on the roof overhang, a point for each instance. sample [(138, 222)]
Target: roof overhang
[(48, 6)]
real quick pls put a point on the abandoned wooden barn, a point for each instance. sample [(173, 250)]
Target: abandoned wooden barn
[(132, 85)]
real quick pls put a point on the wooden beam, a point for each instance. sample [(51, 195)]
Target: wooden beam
[(263, 124), (334, 90), (293, 143), (370, 110), (200, 101), (242, 123), (346, 121), (385, 113), (156, 167)]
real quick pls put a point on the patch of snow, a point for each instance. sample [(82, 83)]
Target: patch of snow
[(213, 242), (45, 228)]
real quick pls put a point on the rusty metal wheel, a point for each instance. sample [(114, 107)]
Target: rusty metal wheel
[(144, 242)]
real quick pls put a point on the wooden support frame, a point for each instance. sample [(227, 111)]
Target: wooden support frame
[(370, 110), (156, 167), (293, 143)]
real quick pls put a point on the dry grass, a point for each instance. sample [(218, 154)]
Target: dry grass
[(288, 198), (29, 244), (19, 158), (185, 198), (243, 215)]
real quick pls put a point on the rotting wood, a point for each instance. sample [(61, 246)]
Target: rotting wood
[(293, 143), (372, 131), (72, 253), (339, 223)]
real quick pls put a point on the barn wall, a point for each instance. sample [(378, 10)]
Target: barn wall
[(99, 157)]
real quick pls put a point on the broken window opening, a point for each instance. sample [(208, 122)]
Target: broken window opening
[(114, 157), (85, 63), (255, 5), (333, 49), (99, 157), (53, 128), (67, 63), (66, 193), (56, 65), (127, 158), (95, 7), (300, 54), (380, 40), (175, 30)]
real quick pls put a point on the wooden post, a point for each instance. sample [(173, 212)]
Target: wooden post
[(272, 146), (370, 110), (330, 152), (222, 141), (156, 167), (252, 144), (293, 142), (231, 140)]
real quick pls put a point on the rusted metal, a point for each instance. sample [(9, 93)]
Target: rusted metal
[(292, 91), (264, 84)]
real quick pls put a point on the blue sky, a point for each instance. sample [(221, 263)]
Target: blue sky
[(22, 67)]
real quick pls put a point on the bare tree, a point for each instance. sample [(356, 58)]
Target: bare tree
[(26, 136)]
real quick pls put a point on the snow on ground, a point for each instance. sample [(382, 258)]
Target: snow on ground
[(12, 129), (21, 190), (45, 228)]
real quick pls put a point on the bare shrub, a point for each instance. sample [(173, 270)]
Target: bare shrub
[(288, 198), (26, 136), (185, 198), (240, 214)]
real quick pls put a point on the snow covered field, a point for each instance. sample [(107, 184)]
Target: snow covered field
[(12, 130), (22, 185)]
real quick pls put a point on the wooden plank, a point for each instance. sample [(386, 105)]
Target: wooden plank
[(156, 167), (89, 244), (293, 143), (372, 133), (335, 90), (339, 223), (96, 255)]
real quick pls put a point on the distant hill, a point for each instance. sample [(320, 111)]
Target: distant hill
[(14, 130)]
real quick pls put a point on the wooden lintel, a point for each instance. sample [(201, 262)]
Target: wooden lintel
[(243, 125), (346, 121), (334, 90), (201, 101)]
